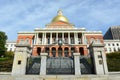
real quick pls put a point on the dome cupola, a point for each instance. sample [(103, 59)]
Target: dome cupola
[(60, 17)]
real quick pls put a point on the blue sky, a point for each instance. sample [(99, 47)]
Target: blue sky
[(25, 15)]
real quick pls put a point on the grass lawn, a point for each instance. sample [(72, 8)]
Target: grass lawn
[(4, 59)]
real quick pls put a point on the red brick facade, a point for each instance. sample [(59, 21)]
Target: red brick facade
[(95, 37), (25, 37), (77, 48)]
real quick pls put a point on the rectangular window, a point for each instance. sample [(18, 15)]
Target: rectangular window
[(117, 44), (19, 62), (10, 49), (113, 44), (110, 49), (11, 45), (6, 45)]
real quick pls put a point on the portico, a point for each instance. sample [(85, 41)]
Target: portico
[(48, 42)]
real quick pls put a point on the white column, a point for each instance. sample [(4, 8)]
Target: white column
[(76, 38), (56, 36), (42, 38), (50, 38), (104, 62), (69, 38), (83, 38), (45, 38), (43, 63), (63, 36), (77, 63), (37, 39)]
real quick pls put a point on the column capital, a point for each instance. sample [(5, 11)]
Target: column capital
[(43, 54), (76, 54)]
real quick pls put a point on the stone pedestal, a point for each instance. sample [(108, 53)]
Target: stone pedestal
[(99, 58), (43, 63), (20, 59), (77, 63)]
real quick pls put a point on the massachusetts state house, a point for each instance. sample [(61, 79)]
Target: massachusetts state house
[(59, 38)]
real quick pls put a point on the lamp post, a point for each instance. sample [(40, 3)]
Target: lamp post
[(60, 42)]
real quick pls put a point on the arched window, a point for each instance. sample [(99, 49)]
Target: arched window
[(72, 51), (54, 52), (92, 40), (27, 41), (21, 41), (60, 52), (98, 40), (38, 50), (47, 50), (66, 52)]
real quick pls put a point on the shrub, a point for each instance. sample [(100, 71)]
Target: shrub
[(113, 55), (113, 60), (9, 54)]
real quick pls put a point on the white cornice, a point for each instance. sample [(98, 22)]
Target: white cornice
[(59, 29), (93, 32), (111, 40), (26, 32)]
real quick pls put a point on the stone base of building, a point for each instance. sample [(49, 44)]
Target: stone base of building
[(61, 77)]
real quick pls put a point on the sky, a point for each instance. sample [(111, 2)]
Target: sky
[(26, 15)]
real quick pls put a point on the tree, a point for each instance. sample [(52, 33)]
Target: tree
[(3, 39)]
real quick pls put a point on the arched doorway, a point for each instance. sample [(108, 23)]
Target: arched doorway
[(60, 52), (38, 50), (72, 51), (66, 52), (47, 50), (53, 51), (81, 50)]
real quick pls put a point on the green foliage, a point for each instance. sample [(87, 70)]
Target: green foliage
[(6, 64), (3, 39), (113, 64), (9, 54), (3, 58), (113, 55), (113, 61)]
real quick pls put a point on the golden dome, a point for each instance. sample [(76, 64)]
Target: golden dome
[(60, 17)]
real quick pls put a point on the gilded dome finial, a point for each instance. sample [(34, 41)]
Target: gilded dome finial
[(60, 17), (59, 12)]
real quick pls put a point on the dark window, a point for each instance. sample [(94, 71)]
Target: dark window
[(110, 49), (108, 44), (117, 44), (48, 40), (19, 62), (10, 49), (114, 49), (113, 44)]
